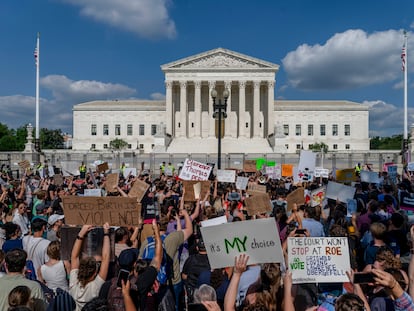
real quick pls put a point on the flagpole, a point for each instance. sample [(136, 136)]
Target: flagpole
[(37, 85), (405, 88)]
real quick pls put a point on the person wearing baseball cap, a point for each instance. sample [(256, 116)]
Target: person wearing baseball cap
[(54, 222)]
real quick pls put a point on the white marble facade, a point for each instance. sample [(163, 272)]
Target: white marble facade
[(186, 116)]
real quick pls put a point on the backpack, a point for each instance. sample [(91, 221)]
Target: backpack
[(30, 270), (115, 298), (165, 273), (62, 301)]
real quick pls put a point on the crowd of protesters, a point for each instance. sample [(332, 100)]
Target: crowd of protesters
[(177, 275)]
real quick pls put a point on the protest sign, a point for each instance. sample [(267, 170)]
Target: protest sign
[(274, 172), (241, 182), (102, 168), (214, 221), (226, 175), (58, 179), (317, 196), (70, 168), (138, 190), (287, 170), (249, 166), (370, 177), (318, 260), (321, 172), (259, 239), (392, 172), (410, 166), (297, 196), (346, 176), (130, 171), (168, 171), (111, 182), (92, 193), (253, 187), (337, 191), (258, 203), (306, 167), (193, 170), (197, 190), (188, 185), (117, 211), (25, 164), (385, 166)]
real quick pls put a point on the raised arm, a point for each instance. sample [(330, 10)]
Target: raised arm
[(156, 261), (77, 246), (188, 231), (411, 267), (106, 252), (240, 265)]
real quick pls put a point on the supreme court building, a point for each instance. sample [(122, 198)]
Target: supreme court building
[(255, 122)]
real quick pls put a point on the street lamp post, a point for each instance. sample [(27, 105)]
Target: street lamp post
[(219, 114)]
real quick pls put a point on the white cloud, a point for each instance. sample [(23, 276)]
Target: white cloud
[(157, 96), (65, 89), (347, 60), (146, 18), (387, 119)]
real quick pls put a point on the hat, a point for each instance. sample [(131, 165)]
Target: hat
[(233, 196), (127, 258), (54, 218), (40, 207)]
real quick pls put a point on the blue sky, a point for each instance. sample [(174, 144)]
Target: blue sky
[(113, 49)]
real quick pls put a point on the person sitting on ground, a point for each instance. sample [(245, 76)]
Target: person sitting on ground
[(86, 276)]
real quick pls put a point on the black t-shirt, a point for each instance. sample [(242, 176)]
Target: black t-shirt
[(193, 266)]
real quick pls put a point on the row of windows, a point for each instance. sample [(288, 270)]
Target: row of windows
[(106, 146), (322, 130), (310, 146), (117, 129)]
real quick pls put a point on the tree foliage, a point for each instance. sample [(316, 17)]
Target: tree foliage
[(51, 139), (118, 144), (386, 143), (320, 147)]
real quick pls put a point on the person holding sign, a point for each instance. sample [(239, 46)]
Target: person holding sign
[(86, 275)]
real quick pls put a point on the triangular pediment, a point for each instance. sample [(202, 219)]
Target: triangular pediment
[(219, 59)]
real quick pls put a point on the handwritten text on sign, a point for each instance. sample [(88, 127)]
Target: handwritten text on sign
[(117, 211), (313, 260), (193, 170), (257, 238)]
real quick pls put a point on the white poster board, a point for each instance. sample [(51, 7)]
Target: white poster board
[(168, 171), (92, 193), (339, 191), (257, 238), (214, 221), (130, 171), (226, 175), (193, 170), (241, 182), (317, 196), (318, 260), (370, 177), (306, 167), (321, 172), (274, 172)]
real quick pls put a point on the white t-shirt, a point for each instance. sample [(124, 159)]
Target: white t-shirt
[(82, 295), (36, 249)]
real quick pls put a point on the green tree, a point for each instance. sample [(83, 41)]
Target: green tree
[(118, 144), (320, 147), (8, 143), (51, 139), (386, 143), (4, 130)]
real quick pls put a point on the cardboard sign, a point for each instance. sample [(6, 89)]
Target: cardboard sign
[(257, 238), (92, 193), (189, 195), (58, 179), (253, 187), (102, 168), (25, 164), (370, 177), (297, 196), (336, 191), (318, 260), (226, 175), (241, 182), (197, 190), (193, 170), (287, 170), (259, 203), (346, 176), (317, 196), (138, 190), (249, 166), (321, 172), (111, 182), (117, 211)]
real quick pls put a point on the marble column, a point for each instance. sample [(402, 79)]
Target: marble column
[(211, 128), (242, 108), (197, 108), (227, 128), (256, 109), (270, 107), (183, 108), (169, 107)]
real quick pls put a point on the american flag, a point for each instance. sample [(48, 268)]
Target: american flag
[(35, 55), (403, 58)]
